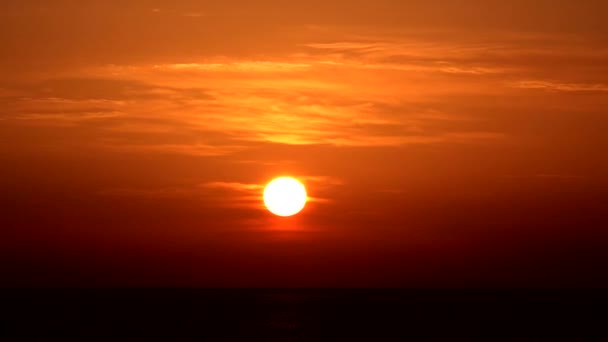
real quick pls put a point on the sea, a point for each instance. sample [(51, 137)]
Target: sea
[(303, 315)]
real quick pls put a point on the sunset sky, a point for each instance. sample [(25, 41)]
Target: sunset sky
[(442, 143)]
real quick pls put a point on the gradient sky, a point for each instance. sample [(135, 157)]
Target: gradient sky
[(443, 143)]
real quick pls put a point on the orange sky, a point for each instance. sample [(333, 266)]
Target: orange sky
[(443, 143)]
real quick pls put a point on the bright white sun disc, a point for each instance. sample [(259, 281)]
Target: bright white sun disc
[(285, 196)]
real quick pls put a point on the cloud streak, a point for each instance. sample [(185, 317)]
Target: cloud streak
[(562, 87), (356, 92), (235, 186)]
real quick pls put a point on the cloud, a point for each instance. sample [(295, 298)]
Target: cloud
[(322, 180), (191, 149), (243, 66), (159, 192), (250, 193), (292, 103), (64, 119), (225, 194), (559, 86), (55, 111), (194, 14), (359, 91), (234, 186), (547, 176)]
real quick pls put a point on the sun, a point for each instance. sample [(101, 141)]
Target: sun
[(285, 196)]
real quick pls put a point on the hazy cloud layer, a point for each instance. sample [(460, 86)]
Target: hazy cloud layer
[(366, 92), (168, 86)]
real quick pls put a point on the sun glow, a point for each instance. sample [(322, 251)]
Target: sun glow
[(285, 196)]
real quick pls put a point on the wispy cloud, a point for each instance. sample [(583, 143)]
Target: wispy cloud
[(191, 149), (251, 192), (359, 92), (547, 176), (416, 56), (66, 120), (322, 180), (194, 14), (242, 66), (559, 86), (157, 192), (234, 186), (256, 102)]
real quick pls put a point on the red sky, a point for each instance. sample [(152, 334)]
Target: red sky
[(443, 143)]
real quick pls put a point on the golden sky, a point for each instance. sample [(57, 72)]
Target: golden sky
[(441, 142)]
